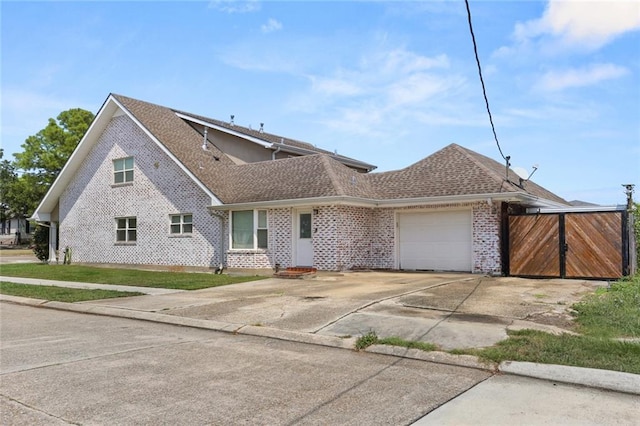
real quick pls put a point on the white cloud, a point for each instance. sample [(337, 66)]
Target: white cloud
[(583, 23), (334, 86), (416, 88), (271, 26), (404, 62), (235, 6), (588, 76), (383, 90)]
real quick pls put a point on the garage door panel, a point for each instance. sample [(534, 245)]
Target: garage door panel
[(435, 241)]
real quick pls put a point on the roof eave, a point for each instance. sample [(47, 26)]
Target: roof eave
[(372, 203), (344, 160)]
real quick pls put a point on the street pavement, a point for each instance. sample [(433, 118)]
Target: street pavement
[(451, 310), (63, 368)]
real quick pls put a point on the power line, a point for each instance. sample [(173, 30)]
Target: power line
[(484, 90)]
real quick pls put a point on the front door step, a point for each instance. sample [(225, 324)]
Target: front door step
[(297, 272)]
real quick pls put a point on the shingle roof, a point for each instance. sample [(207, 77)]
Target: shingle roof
[(451, 171)]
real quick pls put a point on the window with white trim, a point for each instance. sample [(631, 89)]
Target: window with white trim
[(181, 224), (123, 170), (249, 229), (126, 229)]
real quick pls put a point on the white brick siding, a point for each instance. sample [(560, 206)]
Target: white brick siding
[(486, 238), (90, 203)]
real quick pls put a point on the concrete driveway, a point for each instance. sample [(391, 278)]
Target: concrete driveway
[(450, 310)]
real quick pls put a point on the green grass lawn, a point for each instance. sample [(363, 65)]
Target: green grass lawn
[(613, 312), (566, 349), (133, 277), (60, 294)]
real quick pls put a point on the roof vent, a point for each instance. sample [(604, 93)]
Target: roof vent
[(231, 123), (204, 141), (261, 128), (282, 141)]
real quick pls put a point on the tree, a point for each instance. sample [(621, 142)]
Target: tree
[(46, 153), (44, 156), (8, 178)]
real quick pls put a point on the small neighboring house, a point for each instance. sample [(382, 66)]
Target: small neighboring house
[(151, 185), (11, 227)]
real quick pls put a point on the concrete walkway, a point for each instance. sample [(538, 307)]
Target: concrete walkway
[(88, 286), (312, 311)]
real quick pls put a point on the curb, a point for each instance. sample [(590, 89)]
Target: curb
[(591, 377), (468, 361)]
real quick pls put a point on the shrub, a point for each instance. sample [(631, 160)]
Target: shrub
[(41, 243)]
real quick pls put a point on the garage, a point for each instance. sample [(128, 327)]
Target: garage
[(440, 241)]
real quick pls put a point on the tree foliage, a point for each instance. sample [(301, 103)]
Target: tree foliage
[(46, 152), (8, 177), (636, 229), (43, 157)]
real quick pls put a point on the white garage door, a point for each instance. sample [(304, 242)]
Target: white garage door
[(435, 241)]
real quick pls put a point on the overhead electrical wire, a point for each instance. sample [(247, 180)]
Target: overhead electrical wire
[(484, 90)]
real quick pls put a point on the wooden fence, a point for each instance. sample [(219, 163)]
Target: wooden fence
[(569, 245)]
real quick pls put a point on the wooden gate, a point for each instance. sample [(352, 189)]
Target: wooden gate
[(568, 245)]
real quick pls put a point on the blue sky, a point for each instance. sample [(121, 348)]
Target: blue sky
[(385, 82)]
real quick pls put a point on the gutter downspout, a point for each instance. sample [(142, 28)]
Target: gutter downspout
[(273, 154)]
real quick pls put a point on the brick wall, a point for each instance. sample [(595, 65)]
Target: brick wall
[(90, 203), (486, 238), (280, 236), (357, 237), (325, 238)]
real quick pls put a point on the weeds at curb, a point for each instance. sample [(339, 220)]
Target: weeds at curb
[(366, 340)]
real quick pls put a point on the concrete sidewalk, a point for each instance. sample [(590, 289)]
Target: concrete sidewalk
[(319, 311), (90, 286)]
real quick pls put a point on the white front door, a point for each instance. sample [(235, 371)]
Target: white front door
[(304, 241)]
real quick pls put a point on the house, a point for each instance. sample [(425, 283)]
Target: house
[(12, 227), (151, 185)]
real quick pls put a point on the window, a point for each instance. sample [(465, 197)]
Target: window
[(305, 225), (123, 170), (181, 224), (249, 229), (126, 229), (261, 230)]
